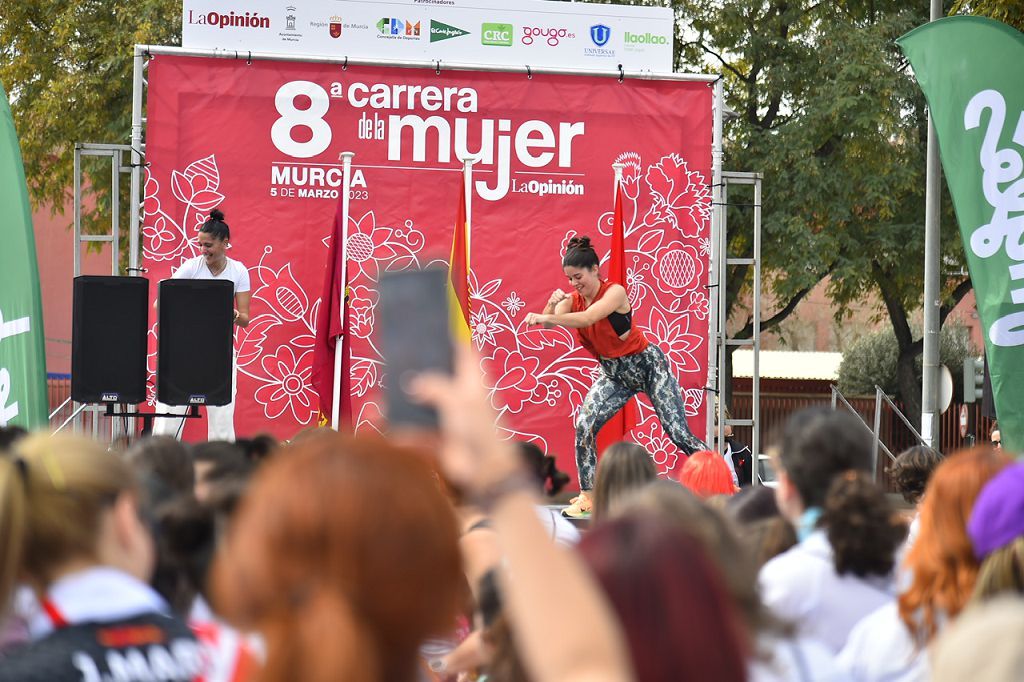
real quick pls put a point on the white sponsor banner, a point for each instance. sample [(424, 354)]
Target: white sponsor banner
[(534, 33)]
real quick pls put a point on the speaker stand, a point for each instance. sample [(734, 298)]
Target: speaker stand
[(148, 417)]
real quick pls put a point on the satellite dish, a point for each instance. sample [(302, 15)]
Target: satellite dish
[(945, 389)]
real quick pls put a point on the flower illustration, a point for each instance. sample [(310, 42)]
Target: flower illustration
[(287, 386), (678, 268), (676, 188), (630, 174), (699, 304), (513, 304), (361, 308), (693, 398), (197, 185), (672, 335), (635, 287), (705, 246), (516, 379), (483, 326), (373, 248), (663, 451), (282, 294)]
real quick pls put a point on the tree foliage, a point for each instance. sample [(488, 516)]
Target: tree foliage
[(872, 361), (1009, 12), (829, 112), (67, 67)]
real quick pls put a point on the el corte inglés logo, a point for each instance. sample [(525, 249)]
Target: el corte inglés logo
[(441, 31)]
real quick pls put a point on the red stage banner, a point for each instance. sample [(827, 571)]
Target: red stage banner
[(261, 141)]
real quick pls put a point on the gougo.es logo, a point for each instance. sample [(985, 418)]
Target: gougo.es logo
[(552, 35)]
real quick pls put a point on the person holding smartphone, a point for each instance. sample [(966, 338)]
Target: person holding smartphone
[(600, 313), (212, 263)]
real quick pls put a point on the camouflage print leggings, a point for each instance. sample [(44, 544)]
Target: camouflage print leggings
[(621, 379)]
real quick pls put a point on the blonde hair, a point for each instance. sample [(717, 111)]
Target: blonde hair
[(1002, 572), (53, 490)]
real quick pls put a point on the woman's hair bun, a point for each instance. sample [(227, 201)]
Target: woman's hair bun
[(580, 243), (217, 214)]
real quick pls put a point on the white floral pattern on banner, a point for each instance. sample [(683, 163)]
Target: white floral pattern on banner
[(530, 369)]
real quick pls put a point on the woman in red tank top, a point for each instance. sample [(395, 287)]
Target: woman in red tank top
[(600, 313)]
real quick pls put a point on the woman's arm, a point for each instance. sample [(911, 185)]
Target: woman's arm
[(608, 304), (545, 582), (242, 308)]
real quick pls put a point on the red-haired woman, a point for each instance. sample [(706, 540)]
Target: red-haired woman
[(890, 643), (338, 590), (707, 475)]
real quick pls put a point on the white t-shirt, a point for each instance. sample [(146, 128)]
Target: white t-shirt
[(560, 530), (234, 272), (793, 659), (801, 586), (880, 647)]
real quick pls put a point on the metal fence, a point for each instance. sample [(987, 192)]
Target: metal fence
[(894, 435)]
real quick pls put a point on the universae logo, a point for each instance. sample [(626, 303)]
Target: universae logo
[(600, 34)]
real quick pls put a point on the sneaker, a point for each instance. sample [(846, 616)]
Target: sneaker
[(579, 507)]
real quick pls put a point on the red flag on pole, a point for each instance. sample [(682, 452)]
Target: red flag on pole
[(625, 419), (332, 322), (458, 271)]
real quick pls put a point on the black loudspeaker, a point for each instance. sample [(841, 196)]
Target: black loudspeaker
[(108, 339), (196, 339)]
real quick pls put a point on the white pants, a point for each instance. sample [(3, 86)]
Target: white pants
[(220, 419)]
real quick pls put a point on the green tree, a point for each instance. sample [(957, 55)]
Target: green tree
[(67, 67), (871, 361), (827, 112), (1009, 12)]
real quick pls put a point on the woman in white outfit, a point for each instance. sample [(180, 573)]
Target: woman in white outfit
[(212, 263)]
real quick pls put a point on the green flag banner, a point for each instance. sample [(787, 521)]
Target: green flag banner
[(22, 352), (971, 70)]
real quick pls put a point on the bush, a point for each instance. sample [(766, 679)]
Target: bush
[(871, 360)]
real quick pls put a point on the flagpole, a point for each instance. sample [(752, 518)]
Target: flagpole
[(346, 182), (617, 168), (467, 178)]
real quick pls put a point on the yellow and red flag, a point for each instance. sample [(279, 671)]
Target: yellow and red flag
[(458, 271)]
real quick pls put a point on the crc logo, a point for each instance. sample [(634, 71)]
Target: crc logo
[(600, 34), (496, 34), (553, 35)]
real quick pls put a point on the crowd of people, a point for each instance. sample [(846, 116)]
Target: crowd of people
[(351, 557)]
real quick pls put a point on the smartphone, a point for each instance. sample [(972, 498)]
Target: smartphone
[(415, 336)]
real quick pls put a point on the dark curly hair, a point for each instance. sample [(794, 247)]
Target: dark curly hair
[(863, 528), (912, 470), (580, 254)]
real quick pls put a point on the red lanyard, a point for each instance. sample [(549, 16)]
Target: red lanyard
[(56, 617)]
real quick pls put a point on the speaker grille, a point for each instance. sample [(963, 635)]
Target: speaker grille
[(108, 339), (195, 342)]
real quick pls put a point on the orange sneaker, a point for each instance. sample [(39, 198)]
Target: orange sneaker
[(579, 507)]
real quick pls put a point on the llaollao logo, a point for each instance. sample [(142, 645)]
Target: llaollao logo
[(553, 36)]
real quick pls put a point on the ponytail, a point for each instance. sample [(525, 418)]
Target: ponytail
[(580, 254), (861, 525), (12, 526), (53, 490), (215, 226)]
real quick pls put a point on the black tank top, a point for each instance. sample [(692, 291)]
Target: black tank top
[(621, 322)]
